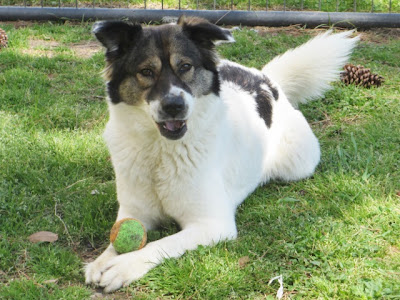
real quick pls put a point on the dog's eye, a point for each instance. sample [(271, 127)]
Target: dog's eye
[(147, 72), (185, 68)]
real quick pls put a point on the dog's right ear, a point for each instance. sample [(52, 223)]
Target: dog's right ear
[(116, 36), (203, 32)]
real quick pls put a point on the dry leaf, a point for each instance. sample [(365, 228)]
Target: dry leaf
[(50, 281), (43, 236), (398, 193), (97, 295), (243, 261)]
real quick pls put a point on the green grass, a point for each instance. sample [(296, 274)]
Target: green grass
[(315, 5), (333, 236)]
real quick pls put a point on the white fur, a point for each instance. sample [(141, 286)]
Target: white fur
[(226, 153), (312, 66)]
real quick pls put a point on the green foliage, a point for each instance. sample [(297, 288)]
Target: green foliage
[(47, 290), (333, 236), (312, 5)]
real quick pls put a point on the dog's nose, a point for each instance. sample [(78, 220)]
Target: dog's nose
[(173, 105)]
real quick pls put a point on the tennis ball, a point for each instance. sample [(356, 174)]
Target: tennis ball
[(128, 235)]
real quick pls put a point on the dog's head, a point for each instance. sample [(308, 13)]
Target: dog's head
[(165, 67)]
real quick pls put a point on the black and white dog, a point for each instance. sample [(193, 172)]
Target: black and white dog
[(191, 136)]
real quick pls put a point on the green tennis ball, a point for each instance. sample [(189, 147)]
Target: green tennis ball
[(128, 235)]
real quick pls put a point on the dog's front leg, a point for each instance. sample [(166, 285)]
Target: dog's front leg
[(121, 270), (95, 269)]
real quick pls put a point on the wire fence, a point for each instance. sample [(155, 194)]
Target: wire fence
[(310, 13), (373, 6)]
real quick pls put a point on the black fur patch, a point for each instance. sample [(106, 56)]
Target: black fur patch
[(117, 37), (252, 83), (203, 34), (114, 83)]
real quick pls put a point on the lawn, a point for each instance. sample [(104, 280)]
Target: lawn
[(333, 236)]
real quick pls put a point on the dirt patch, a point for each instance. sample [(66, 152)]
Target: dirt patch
[(393, 251), (48, 48), (294, 30), (374, 35), (380, 35), (43, 43), (85, 49), (18, 24), (41, 48)]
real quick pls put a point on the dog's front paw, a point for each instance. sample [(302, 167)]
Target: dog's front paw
[(93, 273), (122, 270), (94, 270)]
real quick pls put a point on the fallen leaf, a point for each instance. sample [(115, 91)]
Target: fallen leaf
[(50, 281), (398, 193), (287, 199), (43, 236), (243, 261)]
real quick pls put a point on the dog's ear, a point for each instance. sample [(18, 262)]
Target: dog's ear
[(203, 32), (116, 36)]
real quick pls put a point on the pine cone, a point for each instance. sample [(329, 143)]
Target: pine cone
[(3, 39), (358, 75)]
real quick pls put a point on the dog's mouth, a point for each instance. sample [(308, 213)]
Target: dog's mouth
[(173, 129)]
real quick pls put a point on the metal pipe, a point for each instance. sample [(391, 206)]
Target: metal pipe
[(226, 17)]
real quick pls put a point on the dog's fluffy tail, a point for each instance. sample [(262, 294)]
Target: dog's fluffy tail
[(305, 73)]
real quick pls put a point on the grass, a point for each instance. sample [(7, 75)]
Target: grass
[(323, 5), (333, 236)]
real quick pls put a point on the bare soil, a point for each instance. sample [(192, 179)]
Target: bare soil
[(374, 35), (88, 48), (47, 48)]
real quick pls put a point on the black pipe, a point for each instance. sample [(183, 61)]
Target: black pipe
[(246, 18)]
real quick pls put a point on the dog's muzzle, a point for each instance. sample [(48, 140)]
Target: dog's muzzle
[(173, 111)]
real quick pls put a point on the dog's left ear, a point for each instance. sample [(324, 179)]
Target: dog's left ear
[(203, 32)]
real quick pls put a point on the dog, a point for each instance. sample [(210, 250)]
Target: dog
[(192, 135)]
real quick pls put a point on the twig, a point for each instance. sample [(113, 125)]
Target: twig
[(62, 221)]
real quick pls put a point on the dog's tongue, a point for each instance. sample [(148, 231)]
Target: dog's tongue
[(173, 125)]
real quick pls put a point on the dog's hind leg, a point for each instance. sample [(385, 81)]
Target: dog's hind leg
[(293, 151)]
